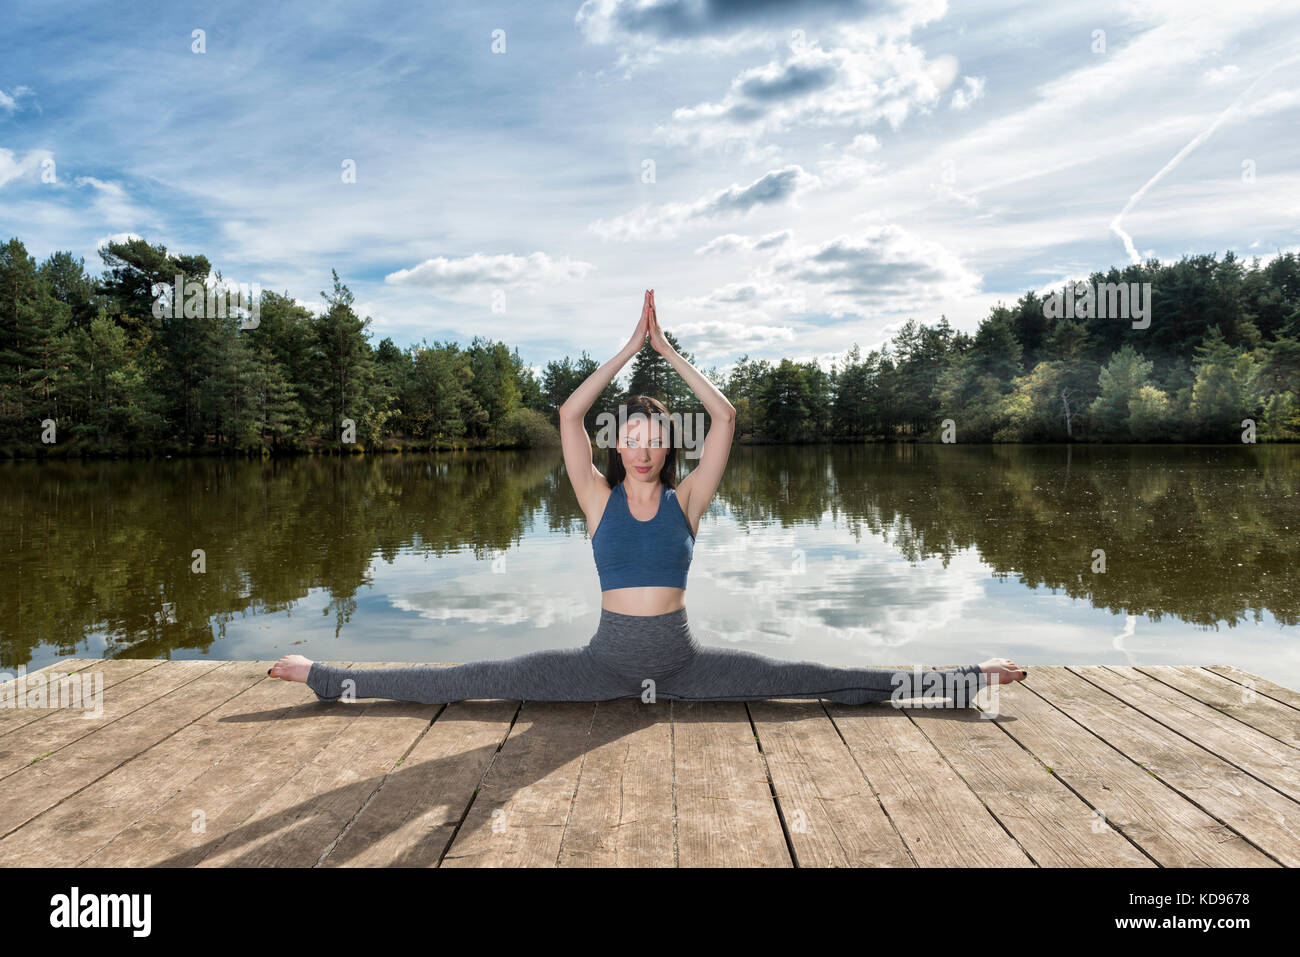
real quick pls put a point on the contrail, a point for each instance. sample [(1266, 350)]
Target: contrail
[(1173, 163), (1130, 629)]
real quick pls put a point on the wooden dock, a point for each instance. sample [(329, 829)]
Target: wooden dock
[(212, 763)]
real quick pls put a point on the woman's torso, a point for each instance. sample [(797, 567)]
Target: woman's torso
[(644, 600)]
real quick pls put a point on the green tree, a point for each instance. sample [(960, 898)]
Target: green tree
[(343, 365), (109, 395), (494, 384), (790, 401), (972, 399), (20, 292), (1226, 389), (1151, 415), (1119, 382)]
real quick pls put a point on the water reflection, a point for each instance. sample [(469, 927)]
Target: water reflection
[(877, 554)]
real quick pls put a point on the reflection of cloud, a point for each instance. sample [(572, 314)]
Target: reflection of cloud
[(459, 602), (785, 606), (1130, 629), (511, 587)]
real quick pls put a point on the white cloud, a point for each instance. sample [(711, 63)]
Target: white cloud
[(729, 336), (971, 90), (870, 80), (12, 168), (647, 31), (775, 187), (1277, 102), (10, 102), (1221, 74), (848, 166), (481, 269), (884, 263), (116, 238), (733, 242)]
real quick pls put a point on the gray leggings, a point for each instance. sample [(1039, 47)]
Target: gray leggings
[(648, 657)]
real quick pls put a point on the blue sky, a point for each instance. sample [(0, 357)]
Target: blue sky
[(822, 170)]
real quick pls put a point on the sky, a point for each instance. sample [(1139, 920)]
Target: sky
[(792, 178)]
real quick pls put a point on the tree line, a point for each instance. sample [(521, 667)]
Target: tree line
[(88, 365)]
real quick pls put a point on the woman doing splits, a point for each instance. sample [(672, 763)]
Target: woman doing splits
[(643, 537)]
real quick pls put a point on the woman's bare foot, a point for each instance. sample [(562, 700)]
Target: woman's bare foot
[(291, 668), (1006, 670)]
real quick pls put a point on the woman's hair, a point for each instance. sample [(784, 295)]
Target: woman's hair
[(647, 406)]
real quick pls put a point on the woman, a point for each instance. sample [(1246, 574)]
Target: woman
[(643, 527)]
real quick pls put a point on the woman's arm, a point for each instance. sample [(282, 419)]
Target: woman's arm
[(714, 401), (696, 490), (582, 471)]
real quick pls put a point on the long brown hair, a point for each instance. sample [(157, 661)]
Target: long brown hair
[(648, 406)]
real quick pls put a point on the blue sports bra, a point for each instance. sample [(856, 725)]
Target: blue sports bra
[(631, 553)]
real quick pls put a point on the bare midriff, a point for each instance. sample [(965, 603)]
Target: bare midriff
[(643, 600), (646, 600)]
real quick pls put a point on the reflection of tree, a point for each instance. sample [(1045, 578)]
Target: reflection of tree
[(1204, 533), (1201, 533), (106, 546)]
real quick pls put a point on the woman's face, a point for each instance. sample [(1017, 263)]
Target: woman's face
[(644, 447)]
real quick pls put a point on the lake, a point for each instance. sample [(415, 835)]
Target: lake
[(850, 555)]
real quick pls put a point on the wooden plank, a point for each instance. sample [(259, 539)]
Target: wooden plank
[(68, 665), (61, 727), (622, 813), (1255, 811), (1172, 830), (941, 821), (1277, 692), (411, 820), (303, 819), (71, 832), (1048, 820), (114, 670), (831, 816), (518, 817), (42, 785), (233, 796), (726, 816), (1259, 711), (1242, 746), (284, 780)]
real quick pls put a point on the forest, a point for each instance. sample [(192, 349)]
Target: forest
[(87, 367)]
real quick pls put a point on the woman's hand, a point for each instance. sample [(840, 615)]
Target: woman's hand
[(642, 326), (658, 341)]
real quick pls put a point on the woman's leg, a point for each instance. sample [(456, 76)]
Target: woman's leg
[(730, 674), (558, 674)]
